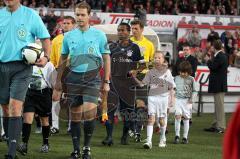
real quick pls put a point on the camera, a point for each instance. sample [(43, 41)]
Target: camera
[(138, 7)]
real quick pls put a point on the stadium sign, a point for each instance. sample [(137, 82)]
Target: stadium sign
[(159, 23), (119, 18), (156, 22), (233, 78)]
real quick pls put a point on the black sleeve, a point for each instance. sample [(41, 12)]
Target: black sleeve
[(113, 47), (137, 54), (218, 61), (217, 35), (175, 68), (194, 66), (208, 37)]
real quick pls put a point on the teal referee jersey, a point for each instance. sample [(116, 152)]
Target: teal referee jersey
[(17, 29), (85, 49)]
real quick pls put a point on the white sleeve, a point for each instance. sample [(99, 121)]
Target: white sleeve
[(51, 74), (147, 79), (194, 92), (170, 79)]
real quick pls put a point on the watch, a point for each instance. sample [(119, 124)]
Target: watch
[(107, 81), (48, 59)]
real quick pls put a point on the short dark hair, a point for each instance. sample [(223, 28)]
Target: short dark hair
[(70, 18), (125, 24), (185, 66), (217, 44), (137, 22), (186, 44), (84, 5)]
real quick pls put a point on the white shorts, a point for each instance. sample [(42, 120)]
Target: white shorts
[(157, 106), (183, 108)]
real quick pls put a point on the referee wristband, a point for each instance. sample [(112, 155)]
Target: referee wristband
[(107, 81)]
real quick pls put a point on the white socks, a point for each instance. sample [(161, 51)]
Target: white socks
[(1, 124), (149, 133), (177, 127), (185, 128), (163, 130), (158, 124), (55, 114), (162, 133)]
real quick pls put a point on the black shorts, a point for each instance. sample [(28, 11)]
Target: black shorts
[(14, 80), (39, 102), (82, 87)]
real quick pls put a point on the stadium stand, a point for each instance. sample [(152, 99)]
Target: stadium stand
[(171, 7)]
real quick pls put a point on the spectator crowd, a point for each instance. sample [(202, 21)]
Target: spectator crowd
[(202, 46), (171, 7)]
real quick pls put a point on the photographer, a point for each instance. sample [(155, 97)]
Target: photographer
[(140, 12)]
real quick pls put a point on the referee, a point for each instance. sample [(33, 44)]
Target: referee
[(87, 50), (16, 33)]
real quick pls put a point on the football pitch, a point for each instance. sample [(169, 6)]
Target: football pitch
[(202, 145)]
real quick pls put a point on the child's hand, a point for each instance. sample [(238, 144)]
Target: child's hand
[(133, 73), (207, 57)]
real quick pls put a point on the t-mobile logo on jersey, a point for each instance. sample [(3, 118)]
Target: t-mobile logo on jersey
[(121, 59)]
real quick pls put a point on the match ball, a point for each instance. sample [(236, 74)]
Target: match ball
[(32, 52)]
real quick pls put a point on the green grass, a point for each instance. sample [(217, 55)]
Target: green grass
[(202, 145)]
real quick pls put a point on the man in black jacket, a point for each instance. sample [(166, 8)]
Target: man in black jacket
[(212, 36), (218, 65), (186, 57)]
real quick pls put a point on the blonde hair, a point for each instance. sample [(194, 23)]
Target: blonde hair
[(159, 52)]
